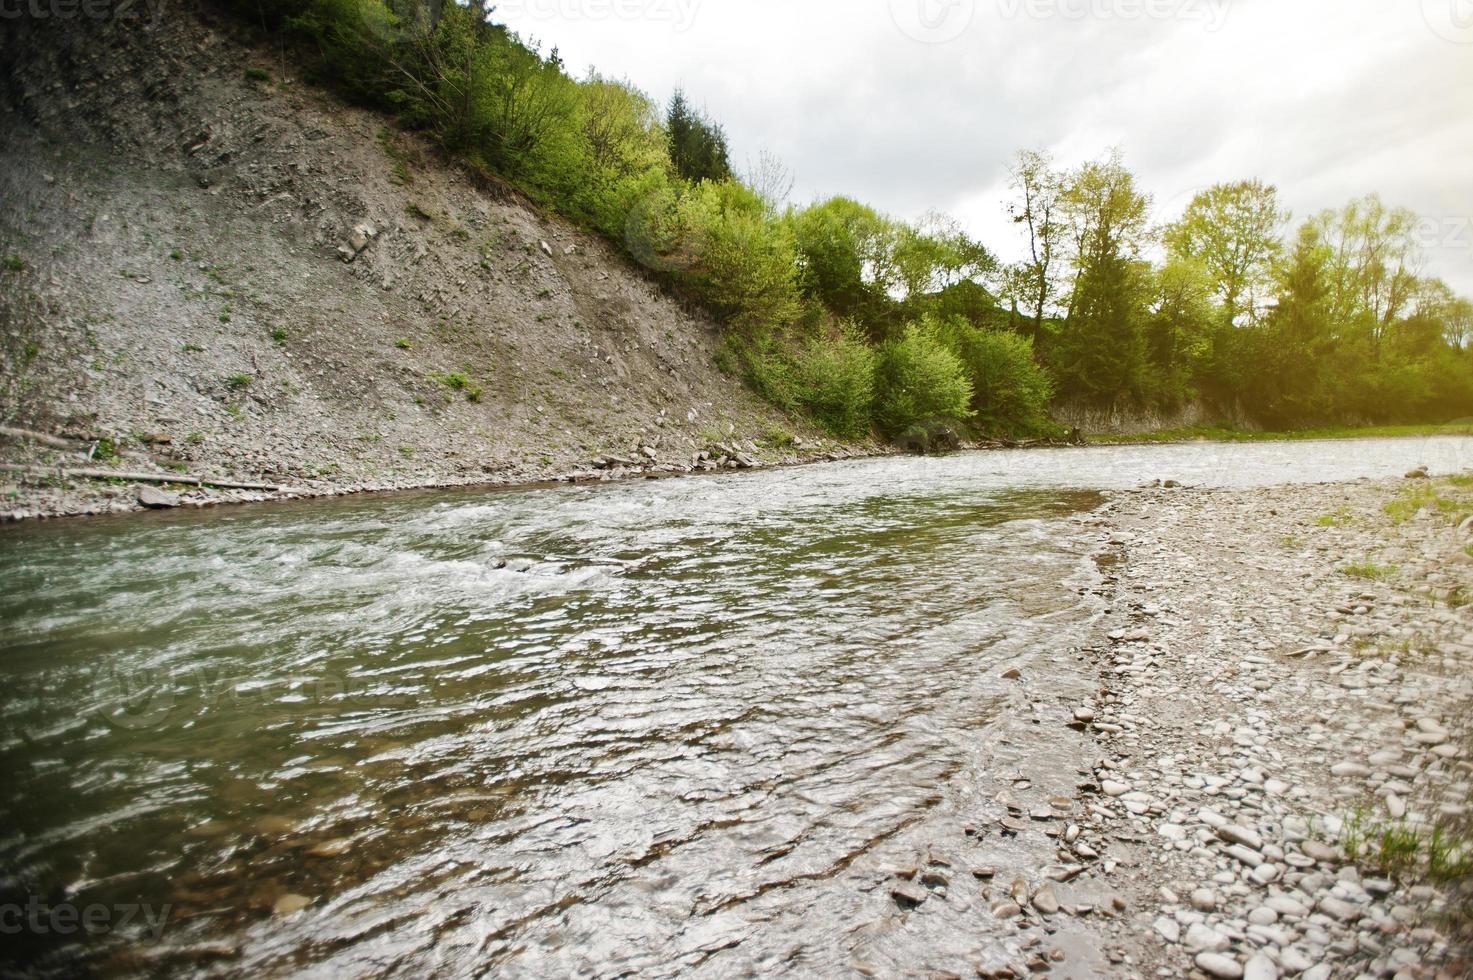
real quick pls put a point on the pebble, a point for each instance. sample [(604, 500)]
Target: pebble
[(1218, 965), (1260, 967), (287, 904)]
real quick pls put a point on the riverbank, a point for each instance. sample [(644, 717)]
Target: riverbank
[(76, 488), (1215, 433), (1284, 727)]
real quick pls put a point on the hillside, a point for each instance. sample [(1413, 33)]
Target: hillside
[(215, 268)]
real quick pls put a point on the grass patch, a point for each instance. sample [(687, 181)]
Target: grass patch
[(1339, 518), (1401, 850), (13, 263), (279, 335), (1213, 433), (1369, 570), (1433, 497), (257, 75), (402, 343), (238, 381), (459, 381)]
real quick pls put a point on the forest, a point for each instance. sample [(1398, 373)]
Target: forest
[(873, 325)]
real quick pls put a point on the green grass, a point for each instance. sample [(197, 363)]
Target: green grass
[(1213, 433), (1436, 497), (238, 381), (13, 263), (279, 335), (402, 343), (1402, 850), (257, 75), (1339, 518), (1369, 570)]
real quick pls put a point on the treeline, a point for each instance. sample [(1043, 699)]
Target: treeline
[(871, 324)]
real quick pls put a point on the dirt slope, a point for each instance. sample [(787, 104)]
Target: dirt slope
[(182, 230)]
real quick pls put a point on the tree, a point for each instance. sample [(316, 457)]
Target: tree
[(771, 180), (919, 382), (936, 254), (697, 145), (1286, 383), (1372, 269), (1039, 210), (1101, 348), (1232, 231), (621, 127), (1010, 391), (846, 254)]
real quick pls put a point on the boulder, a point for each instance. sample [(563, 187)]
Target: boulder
[(155, 499)]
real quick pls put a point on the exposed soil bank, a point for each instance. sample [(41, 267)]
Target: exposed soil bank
[(249, 281)]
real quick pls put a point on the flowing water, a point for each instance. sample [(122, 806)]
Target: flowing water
[(676, 727)]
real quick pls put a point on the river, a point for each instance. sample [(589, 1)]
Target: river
[(676, 727)]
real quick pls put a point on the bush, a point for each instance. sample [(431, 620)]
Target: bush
[(745, 267), (1010, 391), (919, 382), (836, 383)]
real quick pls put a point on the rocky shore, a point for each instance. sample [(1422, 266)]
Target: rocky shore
[(49, 483), (1283, 719)]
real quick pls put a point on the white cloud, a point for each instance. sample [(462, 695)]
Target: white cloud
[(1329, 99)]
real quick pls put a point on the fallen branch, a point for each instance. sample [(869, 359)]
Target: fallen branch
[(55, 442), (190, 481)]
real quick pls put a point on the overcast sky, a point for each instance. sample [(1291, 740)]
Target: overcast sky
[(911, 105)]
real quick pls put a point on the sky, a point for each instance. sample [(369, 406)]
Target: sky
[(915, 105)]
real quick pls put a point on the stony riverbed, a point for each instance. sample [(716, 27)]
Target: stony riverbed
[(1285, 681)]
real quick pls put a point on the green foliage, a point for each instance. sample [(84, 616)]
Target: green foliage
[(402, 343), (279, 335), (1336, 328), (237, 382), (1369, 570), (919, 381), (1010, 391), (13, 263), (837, 383), (257, 75), (697, 145)]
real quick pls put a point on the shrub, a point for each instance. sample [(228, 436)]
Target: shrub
[(836, 383), (257, 75), (1010, 391), (919, 381)]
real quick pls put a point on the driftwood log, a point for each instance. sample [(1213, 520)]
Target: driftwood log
[(179, 478)]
